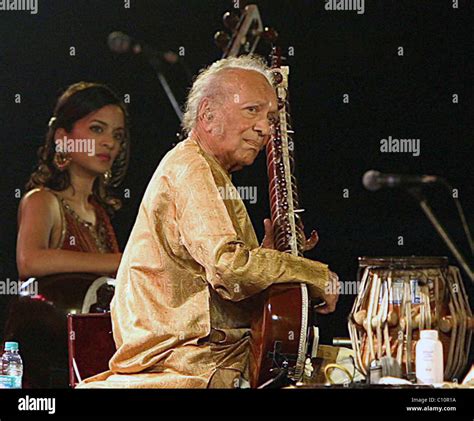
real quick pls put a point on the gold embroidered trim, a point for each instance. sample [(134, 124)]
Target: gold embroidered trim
[(98, 232)]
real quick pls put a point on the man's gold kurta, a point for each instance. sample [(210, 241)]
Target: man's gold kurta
[(188, 280)]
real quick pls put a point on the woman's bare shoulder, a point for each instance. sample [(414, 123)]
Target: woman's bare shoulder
[(40, 199)]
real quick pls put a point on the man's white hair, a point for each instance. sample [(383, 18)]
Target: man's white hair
[(204, 85)]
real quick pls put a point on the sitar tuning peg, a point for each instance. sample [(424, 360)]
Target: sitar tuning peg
[(277, 78), (270, 35), (222, 39), (231, 20), (179, 137)]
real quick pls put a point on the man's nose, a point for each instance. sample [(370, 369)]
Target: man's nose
[(263, 127)]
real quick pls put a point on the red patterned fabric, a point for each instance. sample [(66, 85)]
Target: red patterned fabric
[(79, 237)]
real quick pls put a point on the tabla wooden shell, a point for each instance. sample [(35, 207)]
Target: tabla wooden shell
[(400, 296)]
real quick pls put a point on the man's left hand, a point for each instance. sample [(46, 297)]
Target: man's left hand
[(268, 238)]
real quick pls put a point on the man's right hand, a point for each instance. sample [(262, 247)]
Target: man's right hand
[(330, 295)]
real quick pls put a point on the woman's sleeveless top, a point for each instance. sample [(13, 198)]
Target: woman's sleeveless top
[(80, 235)]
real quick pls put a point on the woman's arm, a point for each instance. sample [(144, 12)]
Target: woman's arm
[(39, 213)]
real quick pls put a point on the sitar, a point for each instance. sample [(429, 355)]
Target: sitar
[(282, 331)]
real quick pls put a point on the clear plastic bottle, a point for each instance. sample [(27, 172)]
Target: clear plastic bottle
[(429, 358), (12, 365)]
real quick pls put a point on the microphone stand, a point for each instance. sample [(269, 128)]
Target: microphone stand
[(416, 193), (155, 62)]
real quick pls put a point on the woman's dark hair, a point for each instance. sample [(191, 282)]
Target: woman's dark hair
[(79, 100)]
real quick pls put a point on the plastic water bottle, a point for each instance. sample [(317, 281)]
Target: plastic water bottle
[(12, 365)]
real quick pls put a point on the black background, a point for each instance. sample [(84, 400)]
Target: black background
[(335, 53), (337, 403)]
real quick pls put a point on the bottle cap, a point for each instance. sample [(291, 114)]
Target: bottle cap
[(11, 346), (429, 334)]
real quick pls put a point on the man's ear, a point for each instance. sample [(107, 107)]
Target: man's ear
[(205, 114)]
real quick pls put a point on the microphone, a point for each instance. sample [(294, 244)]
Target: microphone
[(121, 43), (375, 180)]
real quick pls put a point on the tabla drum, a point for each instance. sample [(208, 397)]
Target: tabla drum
[(398, 297)]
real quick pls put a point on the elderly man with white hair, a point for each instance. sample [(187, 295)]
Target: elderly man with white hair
[(192, 270)]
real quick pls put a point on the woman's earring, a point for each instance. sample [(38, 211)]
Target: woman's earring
[(61, 160), (107, 176)]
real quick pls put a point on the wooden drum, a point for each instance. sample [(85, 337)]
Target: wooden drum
[(398, 297)]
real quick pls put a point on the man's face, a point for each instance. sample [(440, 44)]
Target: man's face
[(242, 125)]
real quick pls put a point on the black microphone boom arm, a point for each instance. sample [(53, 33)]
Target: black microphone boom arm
[(416, 193)]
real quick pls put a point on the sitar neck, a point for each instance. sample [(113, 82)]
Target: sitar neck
[(287, 224)]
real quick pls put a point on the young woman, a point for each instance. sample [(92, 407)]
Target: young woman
[(63, 219), (64, 225)]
